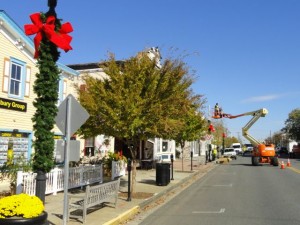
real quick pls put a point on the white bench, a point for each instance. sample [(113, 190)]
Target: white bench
[(94, 195)]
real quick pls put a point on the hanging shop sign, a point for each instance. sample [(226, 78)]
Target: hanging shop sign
[(13, 105)]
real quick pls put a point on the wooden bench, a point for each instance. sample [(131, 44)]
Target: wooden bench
[(93, 196)]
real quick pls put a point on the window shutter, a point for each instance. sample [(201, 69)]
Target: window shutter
[(6, 76), (27, 81)]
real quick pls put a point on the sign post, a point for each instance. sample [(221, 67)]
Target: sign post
[(69, 124)]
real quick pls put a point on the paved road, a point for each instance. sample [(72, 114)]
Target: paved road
[(236, 194)]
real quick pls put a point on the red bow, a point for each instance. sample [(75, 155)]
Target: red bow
[(61, 39)]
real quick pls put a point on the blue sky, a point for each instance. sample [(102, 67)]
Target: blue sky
[(245, 53)]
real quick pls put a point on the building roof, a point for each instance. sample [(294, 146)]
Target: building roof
[(90, 66)]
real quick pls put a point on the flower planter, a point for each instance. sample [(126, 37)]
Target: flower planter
[(40, 220)]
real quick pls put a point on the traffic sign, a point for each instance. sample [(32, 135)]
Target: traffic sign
[(78, 115)]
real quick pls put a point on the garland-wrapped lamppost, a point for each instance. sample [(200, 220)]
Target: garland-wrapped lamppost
[(50, 34)]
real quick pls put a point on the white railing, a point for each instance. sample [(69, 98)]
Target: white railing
[(118, 168), (78, 177)]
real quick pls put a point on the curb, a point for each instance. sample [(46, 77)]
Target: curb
[(124, 216), (136, 209)]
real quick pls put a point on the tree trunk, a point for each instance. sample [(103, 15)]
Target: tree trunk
[(133, 177), (133, 151)]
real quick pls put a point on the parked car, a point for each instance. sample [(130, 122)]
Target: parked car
[(230, 153)]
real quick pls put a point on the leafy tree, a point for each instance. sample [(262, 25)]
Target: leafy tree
[(218, 134), (278, 139), (137, 101), (193, 125), (292, 125), (230, 140)]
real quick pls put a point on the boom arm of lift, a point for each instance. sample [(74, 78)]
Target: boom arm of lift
[(256, 115)]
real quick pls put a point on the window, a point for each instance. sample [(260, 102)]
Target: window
[(15, 80), (89, 147), (165, 146)]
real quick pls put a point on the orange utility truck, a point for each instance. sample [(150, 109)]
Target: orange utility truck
[(262, 153)]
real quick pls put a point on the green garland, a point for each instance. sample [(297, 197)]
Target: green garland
[(46, 89)]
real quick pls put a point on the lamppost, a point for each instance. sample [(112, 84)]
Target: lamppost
[(191, 160), (129, 180), (223, 140), (41, 172), (129, 168), (50, 35), (172, 162)]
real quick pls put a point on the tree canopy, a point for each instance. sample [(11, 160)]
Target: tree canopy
[(137, 100), (292, 125)]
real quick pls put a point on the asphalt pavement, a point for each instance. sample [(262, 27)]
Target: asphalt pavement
[(235, 194)]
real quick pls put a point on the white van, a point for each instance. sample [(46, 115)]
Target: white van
[(237, 147)]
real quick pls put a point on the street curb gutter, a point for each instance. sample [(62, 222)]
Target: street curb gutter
[(124, 216), (135, 210)]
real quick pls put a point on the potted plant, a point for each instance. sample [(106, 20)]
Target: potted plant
[(22, 209), (113, 157)]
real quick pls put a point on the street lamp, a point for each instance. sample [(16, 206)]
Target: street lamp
[(223, 140), (52, 4)]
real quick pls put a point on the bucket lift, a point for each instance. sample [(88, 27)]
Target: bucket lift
[(262, 153)]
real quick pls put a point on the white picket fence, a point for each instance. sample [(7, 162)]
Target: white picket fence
[(78, 177)]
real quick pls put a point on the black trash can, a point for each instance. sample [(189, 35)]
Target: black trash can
[(162, 174)]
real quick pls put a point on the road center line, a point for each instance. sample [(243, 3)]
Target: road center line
[(294, 169), (209, 212)]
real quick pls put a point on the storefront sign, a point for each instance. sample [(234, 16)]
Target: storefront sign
[(13, 105), (58, 137), (18, 135)]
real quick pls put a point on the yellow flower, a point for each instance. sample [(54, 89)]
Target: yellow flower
[(22, 205)]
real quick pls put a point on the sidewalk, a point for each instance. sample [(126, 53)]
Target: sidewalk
[(145, 185)]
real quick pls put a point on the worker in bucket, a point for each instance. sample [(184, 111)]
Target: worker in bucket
[(217, 109)]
